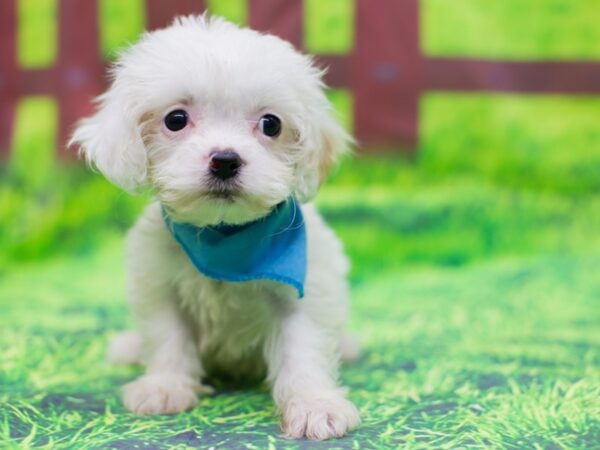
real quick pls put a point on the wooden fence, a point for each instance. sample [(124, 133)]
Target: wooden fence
[(384, 70)]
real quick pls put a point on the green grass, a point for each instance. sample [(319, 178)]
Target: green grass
[(549, 143), (33, 140), (506, 29), (475, 281), (329, 26), (234, 10), (119, 24), (37, 33), (495, 354), (481, 156), (476, 299), (511, 29)]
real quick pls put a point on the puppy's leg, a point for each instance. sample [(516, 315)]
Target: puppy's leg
[(349, 347), (125, 348), (302, 368), (173, 370)]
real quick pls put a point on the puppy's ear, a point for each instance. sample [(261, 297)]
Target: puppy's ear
[(335, 141), (111, 140), (327, 141)]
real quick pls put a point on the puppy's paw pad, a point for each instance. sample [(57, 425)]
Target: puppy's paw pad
[(160, 394), (320, 418)]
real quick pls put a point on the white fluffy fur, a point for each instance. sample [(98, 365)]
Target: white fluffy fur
[(187, 324)]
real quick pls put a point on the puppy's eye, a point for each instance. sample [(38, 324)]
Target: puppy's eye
[(270, 125), (176, 120)]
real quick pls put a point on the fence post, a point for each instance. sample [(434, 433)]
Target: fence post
[(386, 72), (80, 70), (160, 13), (283, 19), (8, 72)]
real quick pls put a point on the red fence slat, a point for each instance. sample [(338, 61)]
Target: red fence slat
[(387, 72), (513, 76), (282, 18), (79, 72), (338, 67), (8, 72), (160, 13)]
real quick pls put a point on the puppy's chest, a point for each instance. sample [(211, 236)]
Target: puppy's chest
[(231, 321)]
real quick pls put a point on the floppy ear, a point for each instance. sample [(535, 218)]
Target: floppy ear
[(335, 141), (111, 140), (326, 141)]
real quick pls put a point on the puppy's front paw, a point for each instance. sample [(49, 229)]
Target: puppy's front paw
[(160, 394), (319, 418)]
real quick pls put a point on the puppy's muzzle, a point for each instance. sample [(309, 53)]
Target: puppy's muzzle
[(224, 164)]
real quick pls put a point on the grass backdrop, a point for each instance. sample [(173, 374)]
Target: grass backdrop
[(475, 281), (476, 296)]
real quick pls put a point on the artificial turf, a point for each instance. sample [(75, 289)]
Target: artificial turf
[(475, 282), (477, 304)]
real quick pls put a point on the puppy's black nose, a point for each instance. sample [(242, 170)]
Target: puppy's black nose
[(225, 164)]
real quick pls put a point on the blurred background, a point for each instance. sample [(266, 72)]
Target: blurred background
[(471, 213)]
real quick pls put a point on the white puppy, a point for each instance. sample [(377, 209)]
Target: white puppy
[(225, 125)]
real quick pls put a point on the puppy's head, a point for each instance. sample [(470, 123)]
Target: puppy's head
[(222, 123)]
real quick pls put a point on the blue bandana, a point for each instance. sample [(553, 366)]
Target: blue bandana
[(273, 247)]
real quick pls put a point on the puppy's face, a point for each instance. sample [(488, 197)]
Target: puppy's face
[(223, 123)]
